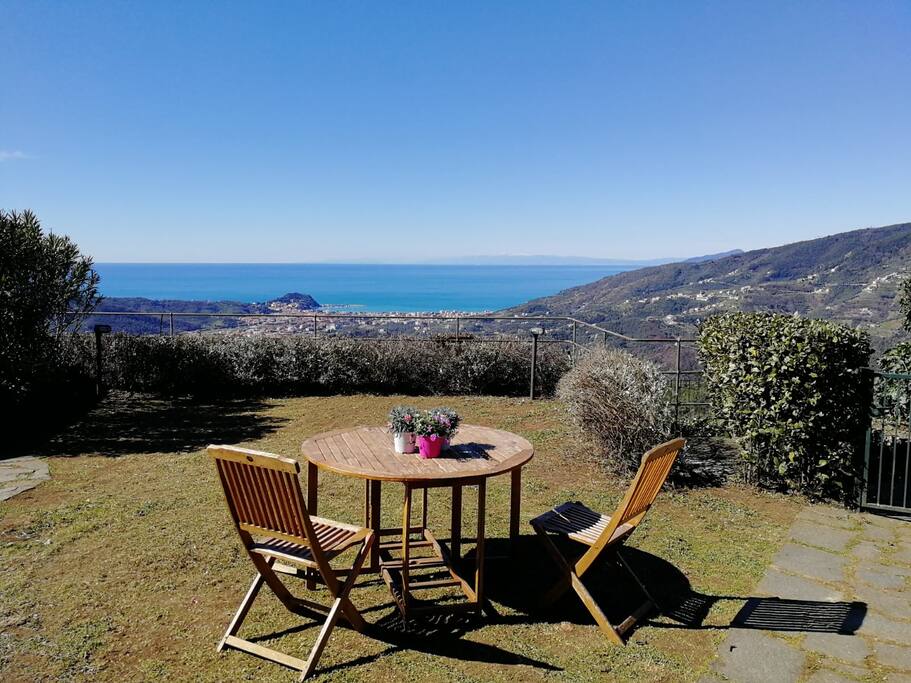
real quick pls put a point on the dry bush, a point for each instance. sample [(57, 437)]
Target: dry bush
[(620, 402)]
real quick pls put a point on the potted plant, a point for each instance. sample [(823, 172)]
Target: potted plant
[(401, 423), (448, 414), (431, 429)]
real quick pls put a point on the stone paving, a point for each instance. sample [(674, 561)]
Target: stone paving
[(21, 474), (832, 559)]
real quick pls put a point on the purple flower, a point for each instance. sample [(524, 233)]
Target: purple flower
[(408, 418)]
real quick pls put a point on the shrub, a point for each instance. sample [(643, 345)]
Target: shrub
[(206, 365), (894, 392), (620, 401), (46, 288), (793, 392), (904, 302)]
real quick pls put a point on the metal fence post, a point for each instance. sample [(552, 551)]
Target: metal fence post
[(677, 389), (604, 338), (171, 320), (575, 345), (534, 363), (99, 379), (315, 326), (161, 325)]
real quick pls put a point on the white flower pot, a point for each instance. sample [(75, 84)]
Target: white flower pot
[(403, 442)]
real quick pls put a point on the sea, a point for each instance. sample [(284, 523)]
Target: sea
[(354, 287)]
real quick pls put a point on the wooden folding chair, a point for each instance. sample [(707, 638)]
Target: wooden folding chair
[(264, 498), (604, 535)]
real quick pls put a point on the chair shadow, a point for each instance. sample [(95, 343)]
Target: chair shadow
[(126, 423), (680, 605)]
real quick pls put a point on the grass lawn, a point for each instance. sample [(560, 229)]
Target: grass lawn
[(125, 566)]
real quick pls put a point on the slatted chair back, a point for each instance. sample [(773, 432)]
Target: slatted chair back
[(653, 471), (264, 496), (642, 491)]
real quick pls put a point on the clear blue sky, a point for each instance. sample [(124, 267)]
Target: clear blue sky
[(343, 130)]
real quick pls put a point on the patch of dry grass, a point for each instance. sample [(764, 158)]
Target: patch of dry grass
[(124, 565)]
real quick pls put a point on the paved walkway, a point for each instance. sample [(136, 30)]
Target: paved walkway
[(834, 558), (21, 474)]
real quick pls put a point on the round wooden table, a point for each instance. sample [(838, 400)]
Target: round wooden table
[(476, 454)]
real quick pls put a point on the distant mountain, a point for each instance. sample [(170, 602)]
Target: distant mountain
[(850, 277), (545, 260), (714, 257)]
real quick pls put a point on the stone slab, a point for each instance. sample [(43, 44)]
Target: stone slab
[(875, 532), (831, 516), (880, 577), (883, 628), (893, 656), (810, 562), (848, 648), (821, 536), (749, 656), (780, 585), (827, 676), (21, 474), (887, 603), (865, 551)]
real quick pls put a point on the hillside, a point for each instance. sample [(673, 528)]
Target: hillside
[(850, 277), (292, 302)]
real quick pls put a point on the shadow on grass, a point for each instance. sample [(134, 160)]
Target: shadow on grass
[(127, 423), (517, 582), (706, 461)]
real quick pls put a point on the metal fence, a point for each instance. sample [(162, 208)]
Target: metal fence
[(887, 452), (676, 355)]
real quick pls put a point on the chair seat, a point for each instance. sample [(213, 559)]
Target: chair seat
[(333, 537), (579, 522)]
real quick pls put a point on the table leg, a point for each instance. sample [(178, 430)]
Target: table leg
[(367, 503), (424, 510), (479, 548), (312, 499), (312, 485), (455, 533), (515, 506), (406, 525), (375, 498)]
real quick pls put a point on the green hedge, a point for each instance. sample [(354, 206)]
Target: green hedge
[(792, 390), (207, 365)]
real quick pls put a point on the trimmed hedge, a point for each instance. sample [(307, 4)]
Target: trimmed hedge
[(793, 391), (207, 365)]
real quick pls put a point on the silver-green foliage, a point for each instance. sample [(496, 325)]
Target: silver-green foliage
[(46, 286), (894, 393), (793, 391), (620, 402), (206, 365)]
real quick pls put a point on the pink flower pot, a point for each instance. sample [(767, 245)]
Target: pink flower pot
[(430, 446)]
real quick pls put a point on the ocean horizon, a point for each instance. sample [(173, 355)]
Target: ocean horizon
[(358, 287)]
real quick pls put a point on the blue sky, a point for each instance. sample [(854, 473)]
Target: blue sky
[(332, 131)]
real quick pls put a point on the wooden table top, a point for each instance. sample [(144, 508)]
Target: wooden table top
[(367, 452)]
